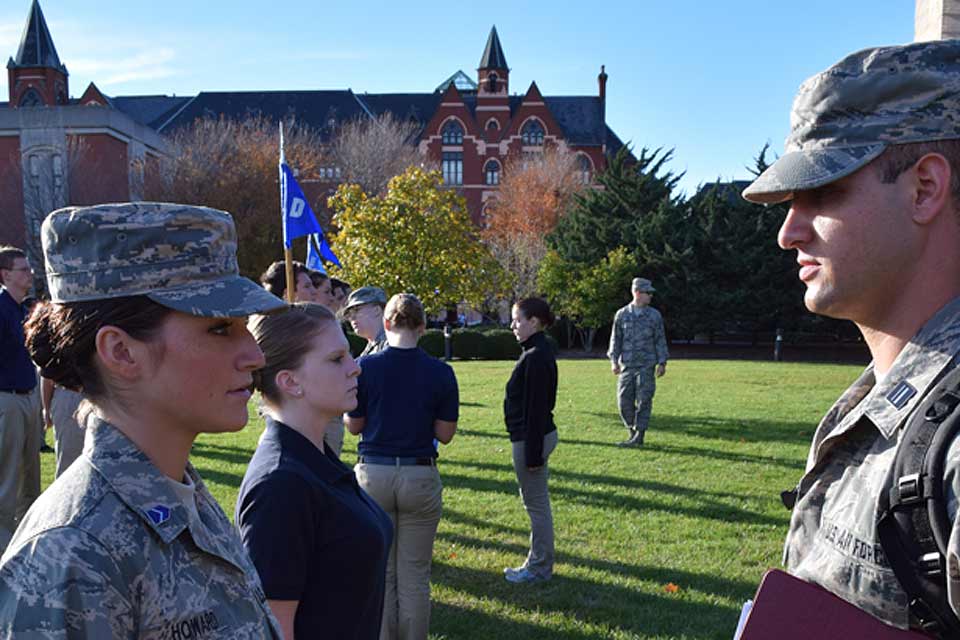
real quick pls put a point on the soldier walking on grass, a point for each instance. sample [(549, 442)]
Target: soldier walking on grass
[(638, 348)]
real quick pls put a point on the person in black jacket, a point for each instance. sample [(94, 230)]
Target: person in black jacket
[(528, 413)]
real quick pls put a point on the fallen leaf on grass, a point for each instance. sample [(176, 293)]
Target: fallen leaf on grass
[(671, 588)]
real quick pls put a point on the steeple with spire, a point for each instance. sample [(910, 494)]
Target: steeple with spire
[(493, 72), (36, 76)]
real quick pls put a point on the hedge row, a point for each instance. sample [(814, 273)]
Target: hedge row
[(468, 344)]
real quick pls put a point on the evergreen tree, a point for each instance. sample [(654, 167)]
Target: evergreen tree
[(611, 215)]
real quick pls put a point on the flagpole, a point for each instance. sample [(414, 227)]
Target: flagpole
[(287, 251)]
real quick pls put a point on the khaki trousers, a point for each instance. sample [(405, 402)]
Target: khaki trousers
[(333, 436), (68, 434), (21, 426), (412, 497)]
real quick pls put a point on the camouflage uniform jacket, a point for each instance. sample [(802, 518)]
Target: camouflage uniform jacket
[(110, 551), (375, 346), (637, 339), (833, 540)]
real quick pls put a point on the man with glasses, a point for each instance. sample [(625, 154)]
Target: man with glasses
[(20, 422), (638, 349), (364, 312)]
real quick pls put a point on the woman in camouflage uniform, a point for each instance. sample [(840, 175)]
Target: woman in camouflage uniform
[(148, 321)]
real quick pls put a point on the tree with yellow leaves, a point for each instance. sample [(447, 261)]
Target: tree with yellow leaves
[(416, 238)]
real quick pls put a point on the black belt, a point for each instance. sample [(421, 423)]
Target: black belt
[(398, 462), (19, 392)]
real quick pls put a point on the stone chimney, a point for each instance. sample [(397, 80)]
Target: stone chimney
[(936, 20)]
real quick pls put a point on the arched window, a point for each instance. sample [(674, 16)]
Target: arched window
[(532, 133), (493, 128), (492, 82), (491, 172), (31, 99), (584, 168), (452, 133)]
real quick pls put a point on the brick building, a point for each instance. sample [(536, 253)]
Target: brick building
[(56, 150)]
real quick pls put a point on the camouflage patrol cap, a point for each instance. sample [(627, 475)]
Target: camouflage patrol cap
[(364, 295), (642, 284), (180, 256), (844, 117)]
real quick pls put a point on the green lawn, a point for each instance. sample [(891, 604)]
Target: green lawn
[(698, 507)]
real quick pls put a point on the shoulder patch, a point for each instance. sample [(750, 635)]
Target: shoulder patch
[(159, 514), (901, 394)]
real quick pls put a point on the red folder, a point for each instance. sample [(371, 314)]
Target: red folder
[(787, 608)]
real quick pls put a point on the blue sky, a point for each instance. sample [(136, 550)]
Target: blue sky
[(712, 80)]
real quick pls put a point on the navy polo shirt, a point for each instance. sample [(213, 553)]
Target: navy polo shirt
[(17, 372), (314, 536), (401, 393)]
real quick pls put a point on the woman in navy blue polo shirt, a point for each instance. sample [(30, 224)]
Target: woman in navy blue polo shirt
[(406, 400), (319, 542)]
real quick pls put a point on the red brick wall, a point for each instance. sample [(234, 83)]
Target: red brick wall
[(52, 85), (12, 226), (100, 172)]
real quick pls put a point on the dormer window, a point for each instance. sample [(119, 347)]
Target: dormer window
[(452, 133), (531, 135)]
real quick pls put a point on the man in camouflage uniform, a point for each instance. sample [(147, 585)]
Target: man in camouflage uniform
[(364, 311), (115, 548), (872, 175), (638, 349)]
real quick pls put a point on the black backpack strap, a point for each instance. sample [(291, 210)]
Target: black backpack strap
[(914, 526)]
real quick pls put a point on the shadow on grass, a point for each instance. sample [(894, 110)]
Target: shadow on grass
[(462, 518), (575, 599), (593, 479), (220, 477), (460, 623), (750, 430), (703, 583), (708, 505), (736, 429), (233, 455), (472, 404), (483, 434)]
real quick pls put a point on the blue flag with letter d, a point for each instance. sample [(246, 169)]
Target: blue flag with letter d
[(298, 218)]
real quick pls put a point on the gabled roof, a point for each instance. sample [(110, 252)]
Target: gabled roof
[(323, 111), (493, 57), (36, 45), (93, 95)]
